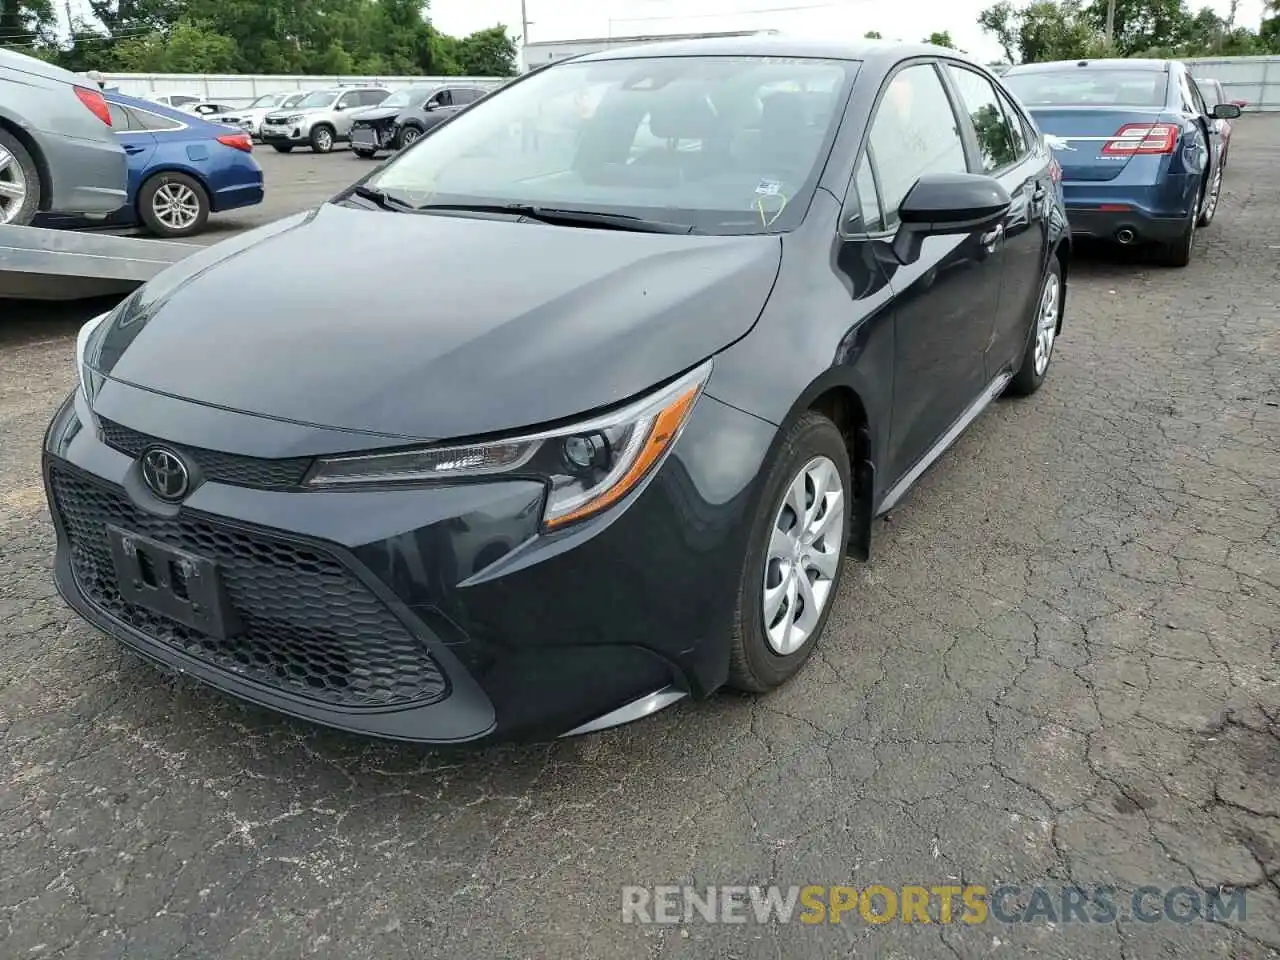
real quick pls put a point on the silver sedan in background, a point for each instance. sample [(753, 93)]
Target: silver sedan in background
[(57, 150)]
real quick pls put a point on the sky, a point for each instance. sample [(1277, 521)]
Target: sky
[(895, 19)]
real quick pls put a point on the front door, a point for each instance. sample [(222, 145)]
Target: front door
[(944, 300)]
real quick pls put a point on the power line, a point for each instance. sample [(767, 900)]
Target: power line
[(96, 38)]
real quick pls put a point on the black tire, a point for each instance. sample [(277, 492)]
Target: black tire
[(181, 184), (30, 173), (407, 137), (754, 667), (283, 147), (1027, 379), (322, 138), (365, 154), (1178, 253)]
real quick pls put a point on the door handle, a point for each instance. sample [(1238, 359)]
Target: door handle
[(132, 148), (992, 236)]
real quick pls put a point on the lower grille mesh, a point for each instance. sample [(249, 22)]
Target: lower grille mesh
[(310, 627)]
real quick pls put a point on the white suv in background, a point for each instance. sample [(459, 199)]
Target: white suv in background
[(321, 118)]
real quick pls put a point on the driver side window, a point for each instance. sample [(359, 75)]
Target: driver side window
[(348, 100), (914, 132)]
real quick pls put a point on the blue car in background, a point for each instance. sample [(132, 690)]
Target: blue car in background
[(181, 169), (1140, 154)]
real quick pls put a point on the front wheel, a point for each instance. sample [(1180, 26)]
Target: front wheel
[(794, 559), (1044, 333), (408, 136), (173, 205), (1211, 203), (321, 139)]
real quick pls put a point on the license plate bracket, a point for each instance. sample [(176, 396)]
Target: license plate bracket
[(174, 583)]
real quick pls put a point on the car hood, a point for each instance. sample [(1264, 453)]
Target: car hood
[(376, 113), (293, 111), (430, 327)]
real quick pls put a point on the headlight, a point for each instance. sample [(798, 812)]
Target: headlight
[(586, 466), (293, 118), (82, 346)]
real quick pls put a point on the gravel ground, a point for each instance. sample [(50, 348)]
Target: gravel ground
[(1060, 667)]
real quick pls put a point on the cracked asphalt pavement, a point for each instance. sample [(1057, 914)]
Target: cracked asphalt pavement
[(1060, 667)]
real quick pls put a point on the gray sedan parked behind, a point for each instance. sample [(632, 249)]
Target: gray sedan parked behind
[(57, 151)]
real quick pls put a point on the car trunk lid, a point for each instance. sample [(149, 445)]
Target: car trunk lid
[(1097, 143)]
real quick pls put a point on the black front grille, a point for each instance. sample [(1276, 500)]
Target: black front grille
[(309, 626), (218, 467)]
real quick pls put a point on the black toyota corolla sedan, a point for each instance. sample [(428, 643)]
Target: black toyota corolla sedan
[(692, 315)]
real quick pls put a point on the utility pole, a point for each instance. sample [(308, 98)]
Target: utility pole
[(524, 35), (1111, 22)]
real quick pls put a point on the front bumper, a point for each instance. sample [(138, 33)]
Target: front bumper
[(431, 614), (292, 133)]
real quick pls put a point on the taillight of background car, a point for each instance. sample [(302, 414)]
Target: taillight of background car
[(237, 141), (1135, 139), (95, 102), (1055, 170)]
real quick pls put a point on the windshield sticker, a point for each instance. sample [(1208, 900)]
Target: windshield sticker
[(769, 188)]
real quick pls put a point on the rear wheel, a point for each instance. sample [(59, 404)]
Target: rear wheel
[(283, 147), (19, 182), (1044, 333), (794, 558), (1178, 253), (173, 205)]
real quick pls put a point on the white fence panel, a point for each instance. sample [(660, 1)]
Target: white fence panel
[(1255, 79), (239, 90)]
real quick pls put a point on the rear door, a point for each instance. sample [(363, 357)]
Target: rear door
[(1022, 168)]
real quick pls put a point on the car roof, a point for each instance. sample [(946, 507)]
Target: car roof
[(1055, 66), (768, 45)]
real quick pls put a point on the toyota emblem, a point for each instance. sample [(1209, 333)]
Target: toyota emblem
[(165, 473)]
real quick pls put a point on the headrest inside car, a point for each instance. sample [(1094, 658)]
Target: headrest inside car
[(687, 116)]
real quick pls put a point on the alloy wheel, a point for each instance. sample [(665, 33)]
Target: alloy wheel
[(1047, 323), (324, 141), (13, 186), (803, 555), (176, 205), (409, 136)]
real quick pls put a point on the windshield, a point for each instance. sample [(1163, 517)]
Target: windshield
[(1081, 86), (292, 100), (320, 98), (722, 144), (266, 100)]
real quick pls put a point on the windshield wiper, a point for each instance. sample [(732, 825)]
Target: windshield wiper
[(561, 215), (382, 199)]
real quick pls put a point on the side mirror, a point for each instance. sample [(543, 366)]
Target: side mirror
[(946, 204), (1226, 111), (432, 105)]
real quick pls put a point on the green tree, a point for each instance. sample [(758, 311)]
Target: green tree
[(940, 39), (189, 47), (872, 35), (27, 24), (1042, 31), (487, 53), (1142, 25)]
